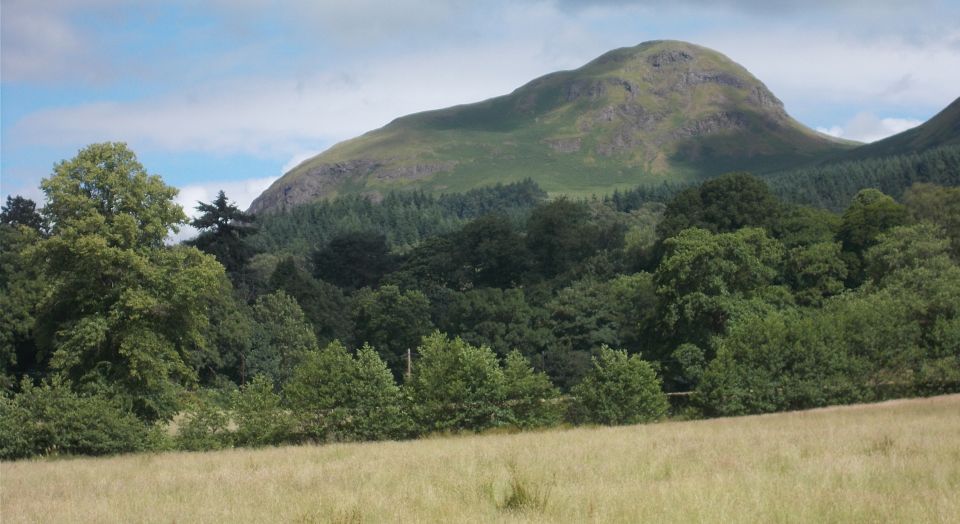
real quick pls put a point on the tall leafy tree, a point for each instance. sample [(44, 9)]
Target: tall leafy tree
[(393, 321), (21, 290), (705, 278), (721, 205), (532, 400), (281, 340), (870, 213), (125, 314)]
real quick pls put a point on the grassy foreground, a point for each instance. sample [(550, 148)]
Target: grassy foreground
[(895, 461)]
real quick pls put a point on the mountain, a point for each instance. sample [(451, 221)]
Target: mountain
[(660, 111), (941, 130)]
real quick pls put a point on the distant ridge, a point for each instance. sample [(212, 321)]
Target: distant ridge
[(943, 129)]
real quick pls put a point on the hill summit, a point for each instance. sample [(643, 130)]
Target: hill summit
[(659, 111)]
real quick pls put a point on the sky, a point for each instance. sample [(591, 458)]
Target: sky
[(229, 94)]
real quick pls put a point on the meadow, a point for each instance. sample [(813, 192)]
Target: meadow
[(896, 461)]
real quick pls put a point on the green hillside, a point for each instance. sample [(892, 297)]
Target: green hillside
[(662, 111), (941, 130)]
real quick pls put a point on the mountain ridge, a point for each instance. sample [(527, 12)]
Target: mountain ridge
[(658, 111)]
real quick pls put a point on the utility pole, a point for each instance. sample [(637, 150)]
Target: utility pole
[(409, 364)]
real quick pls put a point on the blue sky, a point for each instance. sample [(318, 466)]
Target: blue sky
[(231, 93)]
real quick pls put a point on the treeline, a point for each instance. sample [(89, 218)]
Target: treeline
[(831, 186), (405, 218), (750, 303)]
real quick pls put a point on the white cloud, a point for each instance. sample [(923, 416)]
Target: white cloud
[(868, 127), (287, 116), (239, 192)]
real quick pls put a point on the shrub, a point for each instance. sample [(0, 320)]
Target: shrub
[(204, 427), (51, 419), (260, 419), (619, 389), (338, 397), (532, 400), (456, 386)]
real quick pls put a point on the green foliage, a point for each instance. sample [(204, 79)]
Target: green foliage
[(704, 277), (281, 339), (897, 336), (105, 192), (721, 205), (533, 401), (391, 320), (905, 247), (405, 218), (870, 213), (223, 231), (21, 289), (692, 362), (559, 234), (338, 397), (204, 426), (499, 319), (456, 386), (124, 314), (19, 211), (619, 389), (832, 186), (491, 252), (50, 419), (354, 260), (323, 304), (260, 419), (937, 205), (815, 272)]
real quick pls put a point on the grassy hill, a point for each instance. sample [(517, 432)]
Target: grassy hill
[(660, 111), (941, 130), (897, 461)]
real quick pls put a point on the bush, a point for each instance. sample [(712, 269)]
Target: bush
[(260, 419), (532, 400), (338, 397), (619, 389), (50, 419), (456, 386), (204, 427)]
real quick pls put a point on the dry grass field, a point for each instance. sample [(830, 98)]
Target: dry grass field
[(892, 462)]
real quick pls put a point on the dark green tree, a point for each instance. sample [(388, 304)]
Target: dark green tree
[(323, 304), (560, 234), (281, 339), (224, 229), (870, 213), (721, 205), (19, 211), (354, 260), (491, 252), (260, 419), (392, 321)]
